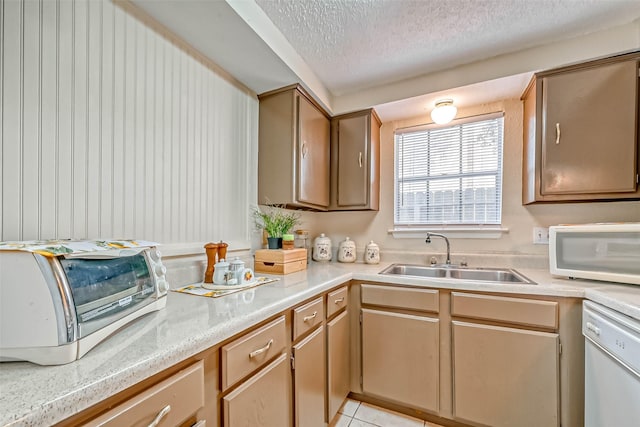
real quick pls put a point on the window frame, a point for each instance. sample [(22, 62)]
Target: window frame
[(458, 229)]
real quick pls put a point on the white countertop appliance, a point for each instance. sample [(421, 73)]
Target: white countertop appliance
[(612, 367), (60, 299), (609, 252)]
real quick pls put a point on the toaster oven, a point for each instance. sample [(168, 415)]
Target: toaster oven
[(59, 299)]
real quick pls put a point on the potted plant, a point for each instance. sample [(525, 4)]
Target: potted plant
[(276, 221)]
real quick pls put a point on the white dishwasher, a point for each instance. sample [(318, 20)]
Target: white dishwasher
[(612, 367)]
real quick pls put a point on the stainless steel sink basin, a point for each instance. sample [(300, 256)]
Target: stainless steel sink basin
[(493, 275)]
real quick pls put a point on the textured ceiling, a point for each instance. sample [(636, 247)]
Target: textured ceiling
[(356, 44), (398, 55)]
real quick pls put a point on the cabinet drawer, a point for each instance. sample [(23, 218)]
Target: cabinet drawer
[(262, 400), (182, 393), (249, 352), (408, 298), (307, 317), (337, 300), (505, 309)]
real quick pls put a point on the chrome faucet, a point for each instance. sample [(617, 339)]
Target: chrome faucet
[(428, 240)]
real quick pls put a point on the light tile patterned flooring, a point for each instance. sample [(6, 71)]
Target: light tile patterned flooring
[(359, 414)]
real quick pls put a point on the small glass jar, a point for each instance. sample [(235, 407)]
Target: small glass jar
[(301, 240)]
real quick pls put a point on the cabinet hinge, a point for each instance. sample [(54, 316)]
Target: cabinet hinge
[(560, 348), (360, 380), (293, 363), (361, 317), (637, 178)]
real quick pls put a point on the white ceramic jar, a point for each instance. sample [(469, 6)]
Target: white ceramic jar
[(347, 251), (221, 273), (372, 253), (236, 267), (322, 248)]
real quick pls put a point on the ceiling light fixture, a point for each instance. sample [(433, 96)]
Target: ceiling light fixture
[(444, 112)]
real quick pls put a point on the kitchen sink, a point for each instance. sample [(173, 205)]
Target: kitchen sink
[(493, 275)]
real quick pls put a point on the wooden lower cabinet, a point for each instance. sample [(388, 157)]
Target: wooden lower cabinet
[(338, 363), (400, 358), (505, 377), (309, 380), (262, 400)]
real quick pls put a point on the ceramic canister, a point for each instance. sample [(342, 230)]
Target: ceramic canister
[(322, 248), (236, 267), (372, 253), (221, 273), (347, 251)]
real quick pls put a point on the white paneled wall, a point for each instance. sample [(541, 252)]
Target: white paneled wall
[(109, 130)]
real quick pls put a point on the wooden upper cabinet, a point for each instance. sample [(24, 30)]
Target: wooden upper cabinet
[(355, 161), (293, 152), (580, 133)]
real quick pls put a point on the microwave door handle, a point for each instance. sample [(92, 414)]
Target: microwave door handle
[(108, 254)]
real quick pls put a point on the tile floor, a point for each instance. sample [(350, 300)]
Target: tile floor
[(359, 414)]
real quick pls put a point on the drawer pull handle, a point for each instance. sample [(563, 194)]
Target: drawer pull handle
[(160, 416), (339, 300), (307, 318), (259, 351)]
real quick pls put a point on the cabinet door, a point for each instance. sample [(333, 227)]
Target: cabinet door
[(262, 400), (309, 380), (589, 139), (313, 155), (338, 366), (505, 377), (400, 358), (353, 137), (355, 163)]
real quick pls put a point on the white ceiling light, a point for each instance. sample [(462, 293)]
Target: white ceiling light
[(444, 112)]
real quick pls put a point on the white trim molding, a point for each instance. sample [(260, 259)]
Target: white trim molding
[(452, 232)]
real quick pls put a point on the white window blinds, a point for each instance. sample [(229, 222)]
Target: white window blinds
[(449, 175)]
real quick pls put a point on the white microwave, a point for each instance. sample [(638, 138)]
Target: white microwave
[(609, 252), (59, 299)]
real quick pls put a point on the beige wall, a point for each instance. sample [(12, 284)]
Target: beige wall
[(518, 219)]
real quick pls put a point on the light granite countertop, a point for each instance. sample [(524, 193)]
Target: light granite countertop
[(32, 395)]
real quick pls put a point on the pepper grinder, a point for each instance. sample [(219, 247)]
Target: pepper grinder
[(212, 251), (222, 250)]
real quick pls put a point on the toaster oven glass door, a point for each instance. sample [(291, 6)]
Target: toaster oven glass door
[(606, 252), (106, 289)]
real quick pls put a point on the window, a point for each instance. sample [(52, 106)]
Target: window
[(449, 175)]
